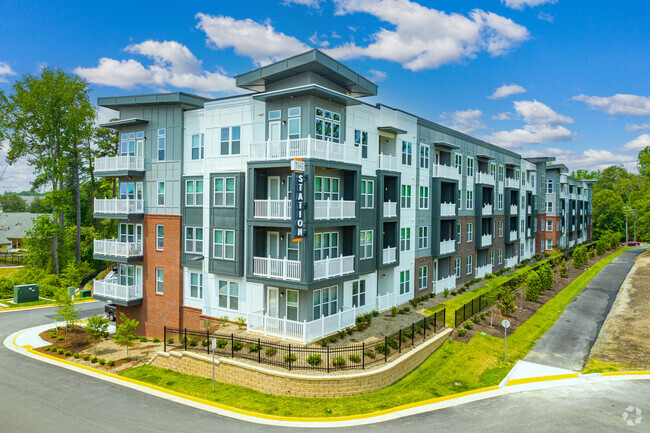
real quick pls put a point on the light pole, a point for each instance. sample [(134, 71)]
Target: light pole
[(627, 209)]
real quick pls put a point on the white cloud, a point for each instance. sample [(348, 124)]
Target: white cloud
[(260, 42), (639, 143), (590, 159), (636, 128), (319, 40), (619, 104), (17, 177), (537, 112), (425, 38), (507, 90), (5, 70), (521, 4), (466, 121), (315, 4), (377, 76), (173, 65), (545, 17), (104, 115), (502, 116)]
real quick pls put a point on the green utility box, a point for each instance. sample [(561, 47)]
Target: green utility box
[(85, 293), (25, 293)]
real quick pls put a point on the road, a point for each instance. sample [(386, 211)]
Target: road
[(39, 397)]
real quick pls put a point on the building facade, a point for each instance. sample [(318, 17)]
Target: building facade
[(395, 206)]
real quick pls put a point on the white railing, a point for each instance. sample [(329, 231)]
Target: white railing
[(333, 267), (573, 212), (334, 209), (447, 247), (527, 233), (118, 205), (511, 262), (388, 162), (389, 255), (573, 196), (486, 210), (447, 209), (276, 268), (513, 209), (112, 290), (513, 235), (304, 148), (390, 209), (484, 178), (528, 209), (486, 240), (384, 302), (511, 183), (446, 171), (116, 163), (273, 209), (445, 283), (482, 271), (573, 227), (114, 248)]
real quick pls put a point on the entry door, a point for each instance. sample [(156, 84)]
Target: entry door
[(272, 301), (273, 187), (273, 245), (274, 131), (437, 157)]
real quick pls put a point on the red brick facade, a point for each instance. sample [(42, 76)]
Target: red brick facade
[(543, 235)]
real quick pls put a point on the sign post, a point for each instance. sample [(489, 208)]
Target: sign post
[(214, 347), (298, 178), (506, 325)]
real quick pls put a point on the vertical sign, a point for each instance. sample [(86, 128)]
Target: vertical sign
[(298, 178)]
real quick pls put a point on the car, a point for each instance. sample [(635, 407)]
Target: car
[(109, 311), (631, 244)]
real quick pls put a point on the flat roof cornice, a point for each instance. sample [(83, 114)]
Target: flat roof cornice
[(184, 99)]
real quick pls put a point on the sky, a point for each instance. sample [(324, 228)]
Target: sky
[(563, 78)]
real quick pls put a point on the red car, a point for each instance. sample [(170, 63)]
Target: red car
[(631, 244)]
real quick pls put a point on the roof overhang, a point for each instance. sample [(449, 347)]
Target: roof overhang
[(124, 122), (446, 144), (544, 159), (310, 89), (485, 156), (185, 100), (391, 130)]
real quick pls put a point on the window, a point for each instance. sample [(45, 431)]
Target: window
[(470, 166), (326, 188), (532, 179), (160, 237), (424, 157), (406, 196), (500, 256), (458, 233), (424, 197), (549, 244), (193, 193), (460, 197), (162, 140), (491, 257), (328, 125), (228, 295), (493, 170), (161, 194), (293, 125), (159, 280), (470, 232), (405, 239), (194, 240), (231, 140), (549, 226), (293, 249), (543, 224), (359, 293), (361, 139), (224, 191), (275, 115), (500, 173), (522, 226), (407, 153), (423, 237), (325, 302), (549, 207), (366, 241), (326, 245), (196, 285), (423, 276), (469, 203), (516, 174), (404, 282), (500, 201), (367, 194), (223, 246), (128, 143), (549, 186), (130, 190), (500, 229), (469, 264), (458, 162), (197, 146)]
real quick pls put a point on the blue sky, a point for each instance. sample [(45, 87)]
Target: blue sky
[(541, 77)]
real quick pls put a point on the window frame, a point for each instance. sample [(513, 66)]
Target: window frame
[(194, 241), (405, 200), (405, 239), (366, 246), (160, 281), (162, 144), (423, 276), (470, 232), (160, 239), (360, 294), (469, 264), (423, 199), (224, 245), (198, 285), (407, 153), (423, 237), (200, 148), (224, 194), (424, 156), (230, 141), (404, 282), (194, 194), (457, 265), (367, 197), (158, 194), (227, 295)]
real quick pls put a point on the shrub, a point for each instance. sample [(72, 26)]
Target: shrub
[(341, 333), (489, 276), (111, 363), (75, 355), (468, 324), (445, 293), (143, 339), (414, 302), (314, 359), (269, 351), (241, 322), (592, 253), (393, 311), (182, 340), (462, 332), (361, 326), (170, 340), (53, 334), (156, 340), (537, 257), (47, 349), (476, 319), (382, 348), (369, 353), (85, 357), (507, 304), (349, 330), (534, 286), (237, 345), (102, 361), (374, 313), (579, 257), (193, 342), (453, 293), (60, 338), (600, 247), (94, 359), (106, 334), (204, 342), (290, 358), (221, 343), (254, 347), (393, 343), (60, 351), (355, 358), (338, 362), (546, 276)]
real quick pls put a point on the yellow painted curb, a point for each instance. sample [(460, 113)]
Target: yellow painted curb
[(43, 305), (624, 373), (541, 379)]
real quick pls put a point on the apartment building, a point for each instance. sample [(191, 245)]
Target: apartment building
[(390, 206)]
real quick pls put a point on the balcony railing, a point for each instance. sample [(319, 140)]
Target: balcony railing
[(528, 209), (388, 162), (573, 196), (511, 262), (384, 302), (446, 171), (390, 209), (389, 255), (573, 227), (486, 210), (573, 212), (447, 247), (482, 271), (513, 235), (333, 267), (304, 148), (527, 233), (114, 248), (112, 290), (484, 178), (512, 183), (447, 209), (119, 163), (334, 209), (445, 283), (273, 209), (486, 240), (269, 267), (514, 209), (113, 206)]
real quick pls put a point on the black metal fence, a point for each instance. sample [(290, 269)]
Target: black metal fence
[(12, 259), (299, 357)]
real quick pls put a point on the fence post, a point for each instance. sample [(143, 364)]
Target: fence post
[(207, 333), (424, 329), (444, 316), (165, 338), (185, 339), (399, 350), (259, 351), (385, 349), (232, 345), (413, 334), (363, 356), (328, 358), (289, 356)]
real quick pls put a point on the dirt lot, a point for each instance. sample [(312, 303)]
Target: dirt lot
[(625, 336)]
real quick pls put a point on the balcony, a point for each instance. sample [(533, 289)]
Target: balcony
[(511, 262), (511, 183), (113, 249), (445, 283), (513, 236), (573, 227), (119, 166), (304, 148), (573, 196), (447, 247), (112, 292), (118, 207), (486, 210), (333, 267), (573, 212), (390, 209), (389, 255), (514, 209), (484, 178), (486, 240), (282, 269), (447, 210), (272, 209), (388, 162), (446, 172), (527, 233), (482, 271), (334, 209)]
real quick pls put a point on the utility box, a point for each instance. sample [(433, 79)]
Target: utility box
[(85, 293), (72, 290), (25, 293)]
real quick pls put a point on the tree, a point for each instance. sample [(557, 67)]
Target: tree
[(12, 202), (125, 333), (533, 286), (65, 309), (507, 304), (580, 257), (608, 212), (97, 326), (39, 205), (546, 276)]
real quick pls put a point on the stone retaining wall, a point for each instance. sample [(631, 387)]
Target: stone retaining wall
[(340, 384)]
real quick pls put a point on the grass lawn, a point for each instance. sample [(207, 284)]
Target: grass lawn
[(454, 367), (10, 303), (8, 272), (595, 365)]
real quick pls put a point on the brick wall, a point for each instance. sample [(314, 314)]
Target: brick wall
[(419, 262), (465, 248), (499, 242), (542, 235)]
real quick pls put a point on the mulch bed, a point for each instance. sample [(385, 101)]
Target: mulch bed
[(525, 309), (78, 340)]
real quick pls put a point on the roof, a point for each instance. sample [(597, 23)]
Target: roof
[(13, 225), (311, 89), (186, 100), (124, 122), (563, 168)]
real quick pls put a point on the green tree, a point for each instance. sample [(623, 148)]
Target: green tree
[(96, 326), (580, 257), (600, 247), (507, 303), (546, 276), (125, 333), (12, 202), (608, 212), (65, 309), (533, 286), (39, 205)]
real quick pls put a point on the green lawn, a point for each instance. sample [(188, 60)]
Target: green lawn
[(454, 367), (10, 303), (8, 272)]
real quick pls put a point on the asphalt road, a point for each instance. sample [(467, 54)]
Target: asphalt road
[(568, 342), (39, 397)]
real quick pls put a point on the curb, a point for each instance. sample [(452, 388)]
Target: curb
[(36, 307)]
